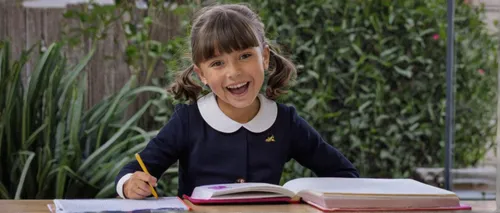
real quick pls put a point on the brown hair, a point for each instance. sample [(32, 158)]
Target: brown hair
[(228, 28)]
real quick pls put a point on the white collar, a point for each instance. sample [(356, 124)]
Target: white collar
[(211, 113)]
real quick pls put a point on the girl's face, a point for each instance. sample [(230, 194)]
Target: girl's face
[(237, 77)]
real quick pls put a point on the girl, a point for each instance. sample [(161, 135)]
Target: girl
[(233, 134)]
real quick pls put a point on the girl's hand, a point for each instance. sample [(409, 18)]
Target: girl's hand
[(137, 186)]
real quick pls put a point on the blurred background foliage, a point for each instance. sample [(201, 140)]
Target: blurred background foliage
[(371, 81)]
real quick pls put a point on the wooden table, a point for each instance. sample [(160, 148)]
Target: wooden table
[(40, 206)]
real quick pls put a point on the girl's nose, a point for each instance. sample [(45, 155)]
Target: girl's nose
[(233, 70)]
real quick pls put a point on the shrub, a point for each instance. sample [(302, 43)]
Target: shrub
[(50, 146), (372, 79)]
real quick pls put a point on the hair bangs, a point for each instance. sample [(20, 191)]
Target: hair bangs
[(224, 33)]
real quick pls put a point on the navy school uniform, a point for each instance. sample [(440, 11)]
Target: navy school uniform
[(212, 148)]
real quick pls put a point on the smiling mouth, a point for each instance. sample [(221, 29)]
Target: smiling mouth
[(238, 89)]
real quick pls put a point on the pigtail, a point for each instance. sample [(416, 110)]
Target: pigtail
[(283, 70), (185, 87)]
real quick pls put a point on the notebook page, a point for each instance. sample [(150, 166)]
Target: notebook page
[(218, 190), (96, 205), (377, 186)]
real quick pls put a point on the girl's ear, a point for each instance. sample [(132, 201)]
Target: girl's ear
[(200, 74), (266, 54)]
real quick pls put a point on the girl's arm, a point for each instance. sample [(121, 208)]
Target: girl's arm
[(160, 153), (310, 150)]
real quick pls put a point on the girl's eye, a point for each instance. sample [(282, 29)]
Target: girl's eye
[(216, 64), (246, 55)]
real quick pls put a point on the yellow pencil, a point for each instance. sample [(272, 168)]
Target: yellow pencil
[(146, 171)]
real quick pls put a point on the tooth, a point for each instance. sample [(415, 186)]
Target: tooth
[(237, 86)]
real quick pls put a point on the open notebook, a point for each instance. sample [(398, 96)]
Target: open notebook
[(330, 194), (117, 205)]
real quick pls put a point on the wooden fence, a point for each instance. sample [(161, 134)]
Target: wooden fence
[(107, 70)]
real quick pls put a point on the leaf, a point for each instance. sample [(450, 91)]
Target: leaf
[(362, 107), (110, 111), (73, 74), (297, 168), (376, 24), (105, 192), (11, 86), (75, 176), (313, 74), (357, 49), (384, 154), (389, 51), (414, 127), (355, 141), (100, 171), (343, 50), (59, 140), (47, 163), (75, 118), (142, 89), (112, 152), (4, 194), (26, 165), (4, 61), (97, 112), (425, 32), (49, 97), (311, 104), (391, 18), (118, 166), (333, 115), (402, 72), (34, 83), (60, 181), (46, 63), (414, 118), (380, 118), (34, 134), (113, 139)]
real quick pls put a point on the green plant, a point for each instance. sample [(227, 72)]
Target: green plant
[(50, 147), (151, 54), (144, 52), (372, 79)]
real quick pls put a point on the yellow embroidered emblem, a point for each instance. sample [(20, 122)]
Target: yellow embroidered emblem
[(270, 138)]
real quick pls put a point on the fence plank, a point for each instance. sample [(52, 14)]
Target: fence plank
[(3, 22), (165, 27), (102, 70), (16, 30), (122, 72), (33, 37), (107, 62), (52, 19), (95, 75)]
